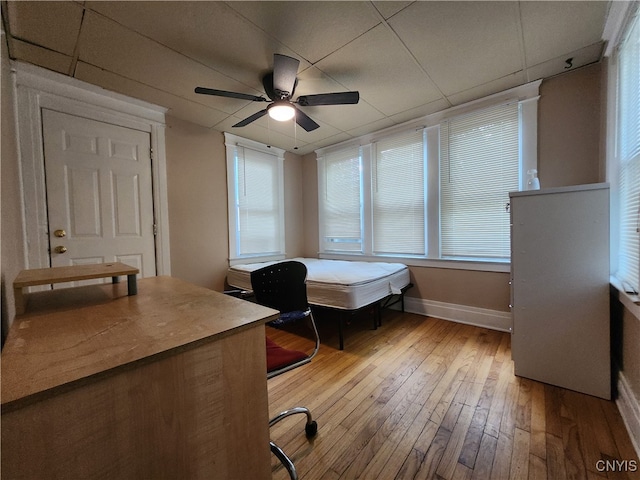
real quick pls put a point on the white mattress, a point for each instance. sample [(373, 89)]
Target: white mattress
[(338, 283)]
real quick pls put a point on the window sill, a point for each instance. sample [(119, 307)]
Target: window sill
[(631, 302), (460, 264)]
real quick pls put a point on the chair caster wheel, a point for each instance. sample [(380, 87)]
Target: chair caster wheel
[(311, 429)]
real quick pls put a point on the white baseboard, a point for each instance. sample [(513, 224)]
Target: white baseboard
[(629, 407), (479, 317)]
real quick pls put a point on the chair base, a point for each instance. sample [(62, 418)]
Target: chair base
[(284, 460), (310, 428)]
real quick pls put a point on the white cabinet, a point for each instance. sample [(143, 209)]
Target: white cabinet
[(560, 287)]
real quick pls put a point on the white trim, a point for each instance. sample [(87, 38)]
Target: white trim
[(478, 317), (231, 140), (528, 112), (617, 18), (85, 93), (37, 88), (432, 197), (629, 407)]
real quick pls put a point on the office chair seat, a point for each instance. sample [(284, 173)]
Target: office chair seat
[(279, 357)]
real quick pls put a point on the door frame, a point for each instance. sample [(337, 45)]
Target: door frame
[(36, 88)]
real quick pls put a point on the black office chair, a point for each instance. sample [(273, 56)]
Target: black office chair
[(282, 286)]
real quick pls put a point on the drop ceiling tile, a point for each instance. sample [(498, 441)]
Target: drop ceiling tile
[(343, 117), (209, 32), (389, 9), (177, 106), (462, 44), (313, 80), (559, 65), (489, 88), (43, 57), (367, 128), (311, 29), (421, 111), (108, 45), (54, 25), (326, 142), (551, 29), (382, 71)]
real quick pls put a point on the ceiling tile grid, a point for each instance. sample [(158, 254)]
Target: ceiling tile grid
[(407, 59)]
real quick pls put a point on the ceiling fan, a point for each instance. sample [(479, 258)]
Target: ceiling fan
[(279, 86)]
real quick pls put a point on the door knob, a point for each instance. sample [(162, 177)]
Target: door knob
[(60, 249), (60, 233)]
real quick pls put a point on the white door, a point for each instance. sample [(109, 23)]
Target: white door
[(99, 193)]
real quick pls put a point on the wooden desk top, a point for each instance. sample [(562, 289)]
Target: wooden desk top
[(70, 335)]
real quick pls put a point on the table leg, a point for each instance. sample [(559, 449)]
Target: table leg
[(132, 284), (20, 300)]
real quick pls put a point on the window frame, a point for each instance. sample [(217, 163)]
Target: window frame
[(325, 238), (232, 144), (623, 17), (526, 95)]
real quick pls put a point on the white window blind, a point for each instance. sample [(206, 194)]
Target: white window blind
[(628, 147), (341, 189), (398, 191), (257, 203), (479, 166)]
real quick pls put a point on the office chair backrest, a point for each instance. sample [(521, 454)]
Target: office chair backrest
[(281, 286)]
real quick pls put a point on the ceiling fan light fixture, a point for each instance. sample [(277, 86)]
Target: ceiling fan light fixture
[(281, 111)]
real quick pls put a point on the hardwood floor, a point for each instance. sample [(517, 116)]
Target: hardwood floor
[(422, 398)]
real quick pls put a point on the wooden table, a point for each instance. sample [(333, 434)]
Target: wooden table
[(169, 383), (72, 273)]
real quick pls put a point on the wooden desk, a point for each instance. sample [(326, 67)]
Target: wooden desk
[(169, 383)]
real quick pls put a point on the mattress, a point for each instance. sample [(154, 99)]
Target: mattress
[(338, 283)]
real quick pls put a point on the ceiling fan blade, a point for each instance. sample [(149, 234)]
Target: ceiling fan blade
[(341, 98), (224, 93), (305, 121), (285, 70), (251, 118)]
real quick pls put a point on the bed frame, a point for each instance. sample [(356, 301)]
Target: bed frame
[(343, 288), (344, 316)]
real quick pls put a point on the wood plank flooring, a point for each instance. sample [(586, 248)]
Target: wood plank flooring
[(422, 398)]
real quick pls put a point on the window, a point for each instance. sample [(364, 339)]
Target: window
[(255, 181), (436, 191), (628, 158), (399, 195), (479, 166), (341, 189)]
